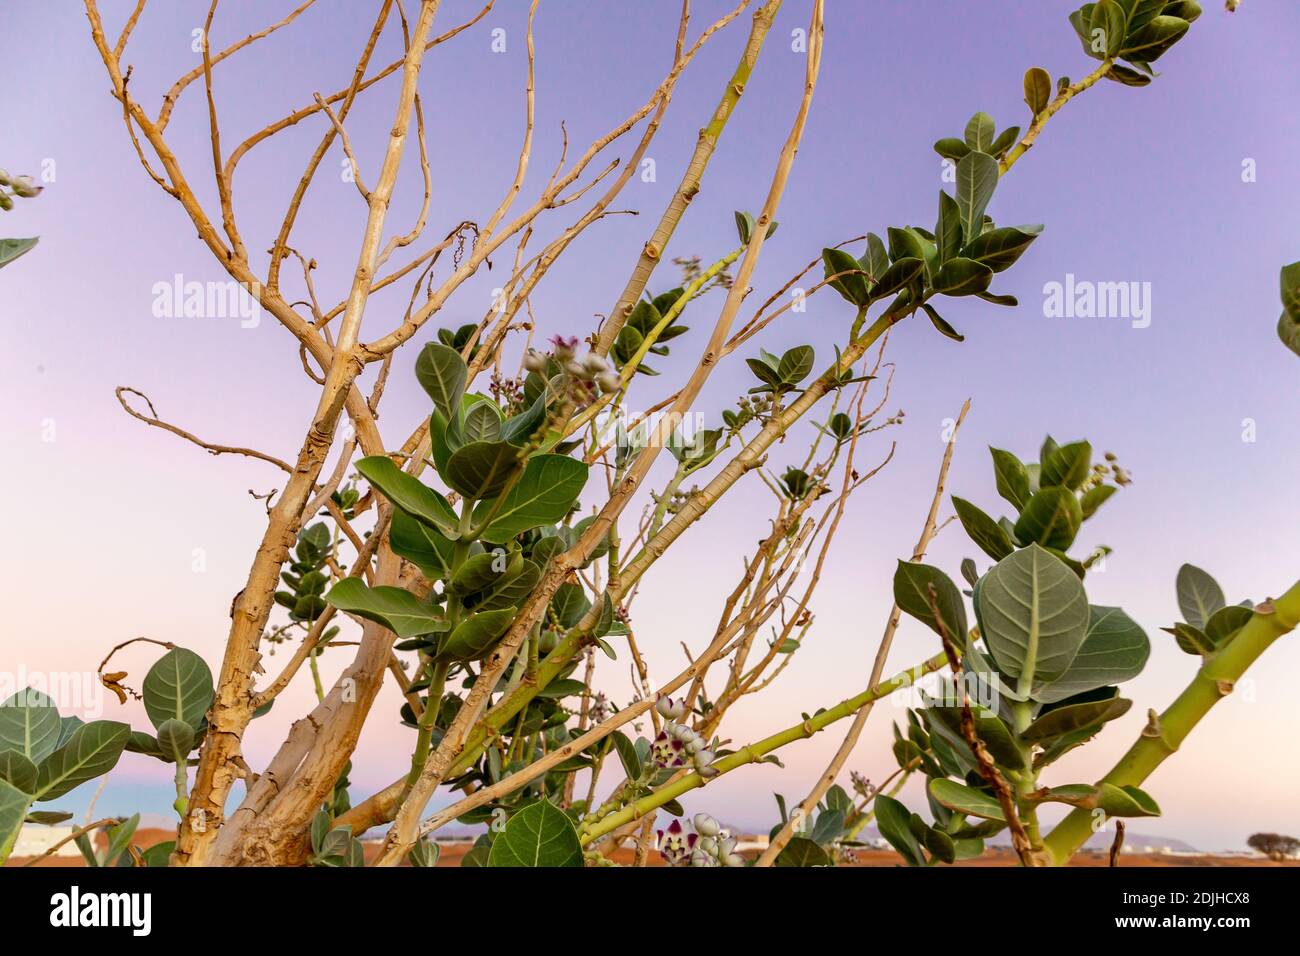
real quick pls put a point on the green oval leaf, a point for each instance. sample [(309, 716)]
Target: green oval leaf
[(802, 852), (1000, 248), (481, 469), (1091, 709), (962, 276), (1051, 518), (1114, 650), (13, 811), (179, 685), (1199, 595), (176, 740), (1068, 466), (853, 285), (424, 546), (442, 373), (395, 608), (912, 582), (409, 494), (544, 494), (967, 800), (538, 835), (92, 751), (30, 724), (473, 638), (1038, 89), (977, 178), (1033, 614), (991, 537), (18, 770)]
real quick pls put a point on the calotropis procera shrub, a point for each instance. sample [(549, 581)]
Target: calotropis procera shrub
[(488, 557)]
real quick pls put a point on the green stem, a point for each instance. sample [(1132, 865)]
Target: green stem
[(428, 720), (753, 752), (182, 790), (1212, 683)]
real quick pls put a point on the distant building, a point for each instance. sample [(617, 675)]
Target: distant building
[(34, 840)]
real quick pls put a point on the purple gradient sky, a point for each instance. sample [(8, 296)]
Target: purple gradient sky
[(1142, 185)]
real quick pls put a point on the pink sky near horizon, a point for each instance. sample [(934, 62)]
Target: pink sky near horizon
[(105, 519)]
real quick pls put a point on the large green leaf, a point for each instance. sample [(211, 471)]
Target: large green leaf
[(481, 571), (395, 608), (18, 770), (29, 724), (962, 276), (11, 249), (1000, 248), (802, 852), (876, 259), (519, 428), (1051, 518), (979, 132), (482, 469), (795, 364), (1091, 709), (912, 583), (1126, 801), (425, 547), (483, 422), (989, 728), (1069, 466), (91, 752), (473, 638), (1115, 650), (13, 811), (894, 823), (442, 373), (853, 284), (1153, 40), (1034, 615), (175, 740), (409, 494), (1107, 26), (977, 178), (898, 275), (510, 591), (1011, 476), (540, 834), (983, 530), (1227, 621), (967, 800), (179, 685), (947, 230), (1199, 595), (544, 494)]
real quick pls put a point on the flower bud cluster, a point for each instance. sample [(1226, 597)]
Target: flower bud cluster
[(23, 187), (589, 368), (709, 845), (678, 745)]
